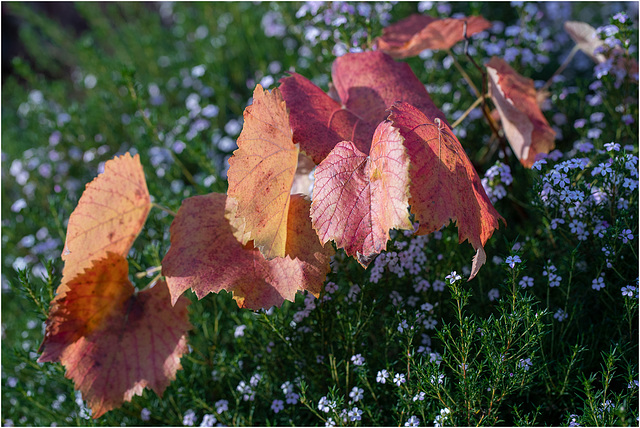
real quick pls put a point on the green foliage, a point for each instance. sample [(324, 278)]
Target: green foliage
[(537, 341)]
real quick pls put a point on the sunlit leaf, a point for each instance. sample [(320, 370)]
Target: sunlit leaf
[(515, 98), (444, 185), (410, 36), (358, 197), (262, 170), (206, 256), (112, 341)]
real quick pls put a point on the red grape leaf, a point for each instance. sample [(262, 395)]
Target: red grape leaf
[(112, 341), (586, 38), (524, 125), (444, 185), (206, 256), (367, 83), (358, 198), (410, 36), (319, 122), (261, 172), (110, 214)]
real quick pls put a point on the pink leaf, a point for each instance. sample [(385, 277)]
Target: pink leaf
[(358, 198)]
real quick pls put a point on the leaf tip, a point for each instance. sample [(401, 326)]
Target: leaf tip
[(478, 260)]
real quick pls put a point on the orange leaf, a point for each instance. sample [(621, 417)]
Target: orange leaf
[(444, 185), (262, 170), (524, 125), (410, 36), (206, 256), (109, 216), (113, 342), (358, 198)]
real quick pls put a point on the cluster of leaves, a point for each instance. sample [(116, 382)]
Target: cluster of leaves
[(379, 145)]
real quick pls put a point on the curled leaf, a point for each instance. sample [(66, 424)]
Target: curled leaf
[(359, 197), (586, 39), (444, 185), (112, 341), (410, 36), (515, 98), (206, 256), (262, 170)]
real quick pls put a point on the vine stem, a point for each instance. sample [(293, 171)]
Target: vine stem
[(469, 110), (560, 69), (165, 209), (148, 271)]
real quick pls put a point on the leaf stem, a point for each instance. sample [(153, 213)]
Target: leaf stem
[(165, 209), (560, 69), (148, 271), (469, 110)]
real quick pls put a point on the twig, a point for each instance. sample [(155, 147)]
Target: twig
[(148, 271), (560, 69), (165, 209), (469, 110)]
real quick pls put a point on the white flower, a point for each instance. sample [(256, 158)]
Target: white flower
[(189, 418), (208, 420), (382, 376), (221, 406), (526, 281), (399, 379), (326, 405), (355, 414), (356, 394), (453, 277), (512, 260), (239, 331), (358, 360), (413, 421)]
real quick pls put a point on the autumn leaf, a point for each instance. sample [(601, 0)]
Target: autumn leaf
[(367, 84), (586, 39), (515, 98), (206, 256), (262, 170), (410, 36), (444, 185), (112, 341), (359, 197), (109, 216), (320, 122)]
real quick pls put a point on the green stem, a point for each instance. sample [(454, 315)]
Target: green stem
[(469, 110), (560, 69), (165, 209)]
